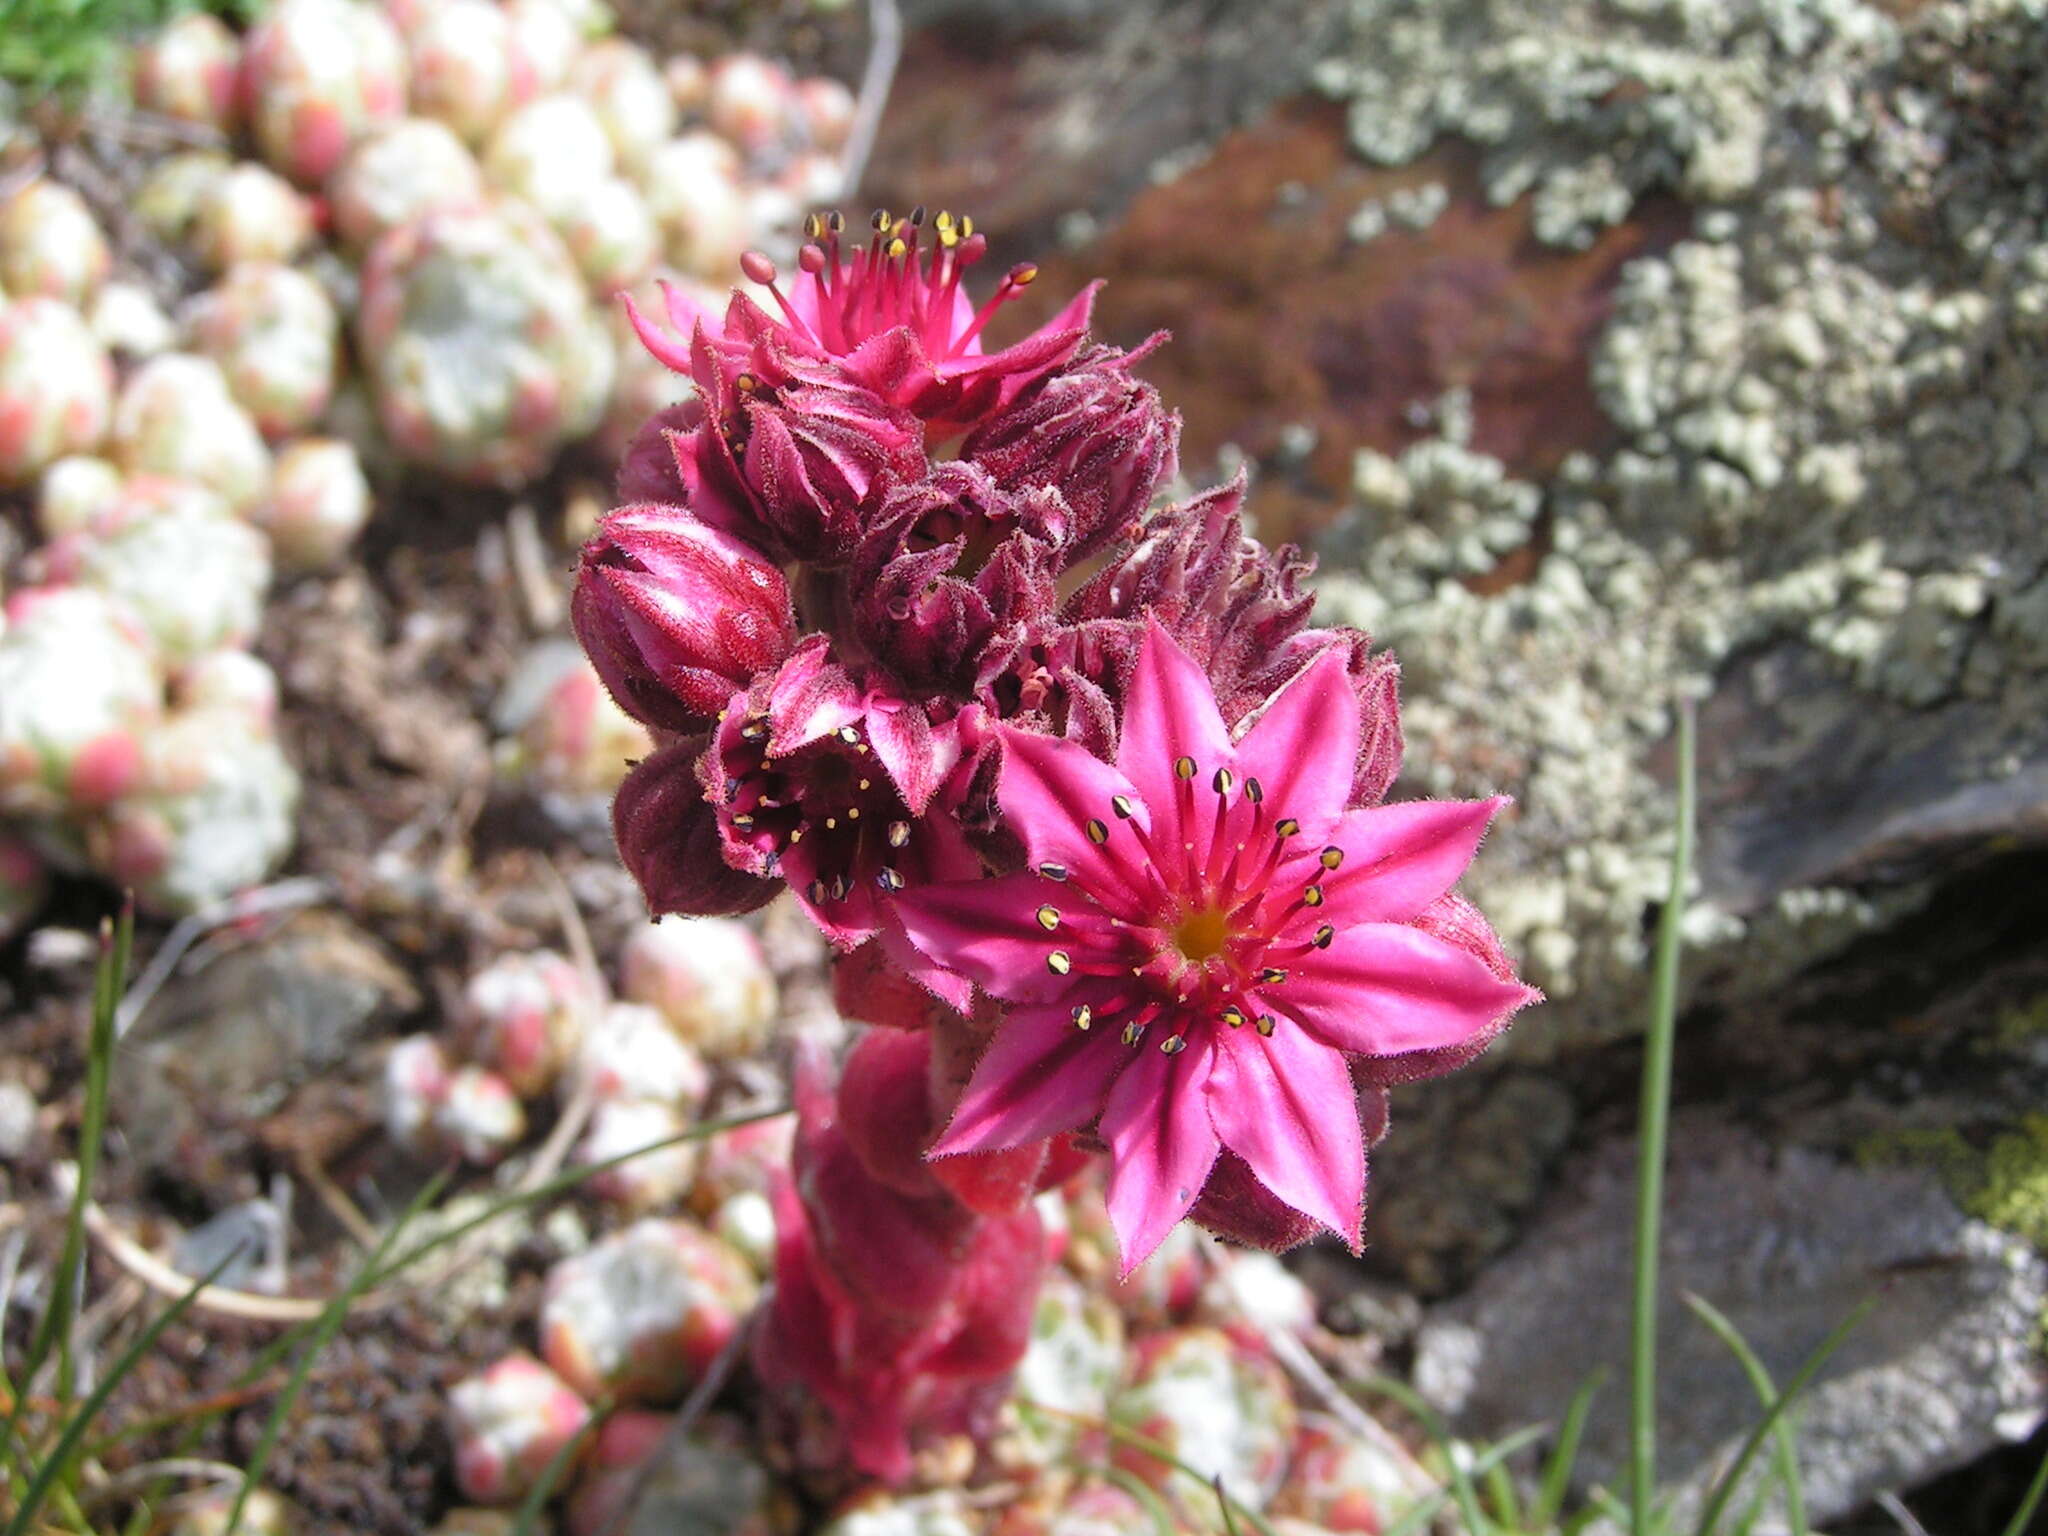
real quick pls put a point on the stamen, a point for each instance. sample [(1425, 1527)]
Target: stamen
[(754, 730), (815, 890), (1173, 1045), (1184, 767), (1133, 1033), (848, 734), (744, 822), (1331, 857), (1234, 1016), (1098, 832), (1313, 896), (1084, 1017), (1323, 936), (1253, 790), (1121, 804), (1272, 976), (899, 833), (1286, 826), (1223, 782), (1266, 1025), (1059, 962), (1053, 871), (1048, 918), (889, 880)]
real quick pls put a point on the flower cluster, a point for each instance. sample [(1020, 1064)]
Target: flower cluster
[(1061, 771)]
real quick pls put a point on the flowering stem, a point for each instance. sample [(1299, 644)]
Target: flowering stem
[(1651, 1136)]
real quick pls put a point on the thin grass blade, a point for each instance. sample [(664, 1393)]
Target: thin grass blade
[(1784, 1440), (1564, 1456), (2023, 1518)]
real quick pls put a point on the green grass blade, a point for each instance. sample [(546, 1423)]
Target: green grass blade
[(2023, 1517), (1717, 1505), (1564, 1456), (1463, 1493), (1223, 1504), (1652, 1136), (1784, 1441), (68, 1440), (53, 1328), (325, 1326), (1155, 1507)]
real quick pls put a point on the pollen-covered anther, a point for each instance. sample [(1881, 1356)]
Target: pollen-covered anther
[(1059, 962), (889, 880), (1121, 804), (1098, 831), (1053, 871), (1233, 1016), (1184, 768), (1254, 791), (899, 833), (1224, 781), (1133, 1033), (1313, 896), (1272, 976), (1048, 917), (1286, 826), (1266, 1025), (1324, 937), (1173, 1045), (1084, 1017), (1331, 857)]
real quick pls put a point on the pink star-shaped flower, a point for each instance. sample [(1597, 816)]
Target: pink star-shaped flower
[(1203, 938)]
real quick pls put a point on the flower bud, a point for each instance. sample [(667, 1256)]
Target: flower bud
[(276, 337), (523, 1016), (647, 1180), (73, 492), (643, 1313), (176, 420), (708, 977), (248, 214), (468, 70), (678, 617), (186, 70), (49, 245), (56, 387), (670, 842), (417, 1075), (481, 1117), (401, 172), (317, 504), (317, 75), (508, 1425), (632, 99)]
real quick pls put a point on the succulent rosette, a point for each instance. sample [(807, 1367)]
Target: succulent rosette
[(245, 213), (1096, 823), (317, 504), (187, 70), (317, 75), (482, 350), (1218, 1403), (468, 68), (508, 1424), (399, 173), (632, 99), (168, 199), (194, 576), (79, 683), (56, 387), (176, 420), (277, 339), (50, 246), (693, 191), (73, 491)]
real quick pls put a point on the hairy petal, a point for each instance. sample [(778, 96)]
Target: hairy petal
[(1040, 1076), (1400, 858), (1286, 1105), (1162, 1144), (1303, 746), (1170, 714), (989, 932), (1049, 791), (1383, 989)]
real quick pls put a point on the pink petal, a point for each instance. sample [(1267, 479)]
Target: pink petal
[(1162, 1143), (1304, 746), (1039, 1077), (1170, 713), (1287, 1107), (846, 922), (954, 991), (1400, 858), (916, 758), (811, 696), (1049, 791), (989, 932), (1383, 989)]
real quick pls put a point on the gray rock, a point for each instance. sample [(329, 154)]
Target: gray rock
[(1786, 1243)]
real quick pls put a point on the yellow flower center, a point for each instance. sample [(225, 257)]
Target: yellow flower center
[(1202, 935)]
